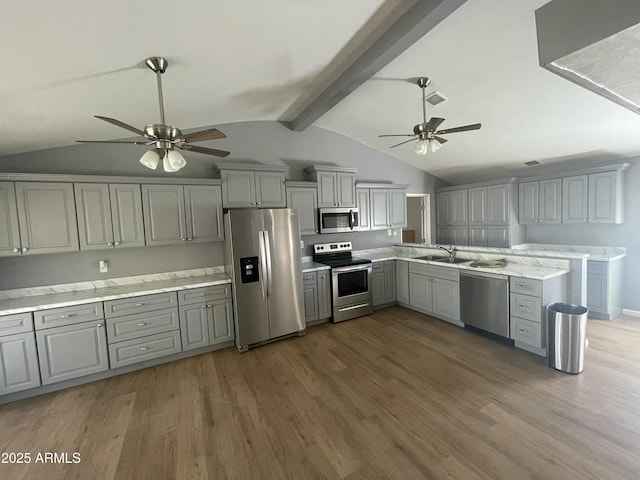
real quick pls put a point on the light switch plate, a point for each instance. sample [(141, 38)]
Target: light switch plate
[(104, 266)]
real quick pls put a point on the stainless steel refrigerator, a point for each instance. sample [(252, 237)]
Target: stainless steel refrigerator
[(263, 259)]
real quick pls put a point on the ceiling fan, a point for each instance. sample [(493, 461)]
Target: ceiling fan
[(165, 138), (426, 132)]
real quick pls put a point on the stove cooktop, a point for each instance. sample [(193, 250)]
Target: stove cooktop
[(342, 262)]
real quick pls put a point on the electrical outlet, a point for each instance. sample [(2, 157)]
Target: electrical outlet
[(104, 266), (389, 233)]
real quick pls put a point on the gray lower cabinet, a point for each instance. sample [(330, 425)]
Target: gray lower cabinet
[(206, 316), (604, 287), (435, 290), (176, 214), (18, 355), (109, 215), (402, 282), (316, 287), (47, 217), (305, 199), (9, 233), (383, 282), (72, 351), (144, 348)]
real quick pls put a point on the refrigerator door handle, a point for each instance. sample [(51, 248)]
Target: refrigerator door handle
[(263, 264), (267, 248)]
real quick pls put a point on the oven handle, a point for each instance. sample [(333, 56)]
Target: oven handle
[(366, 266)]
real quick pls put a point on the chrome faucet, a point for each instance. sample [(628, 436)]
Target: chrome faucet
[(451, 251)]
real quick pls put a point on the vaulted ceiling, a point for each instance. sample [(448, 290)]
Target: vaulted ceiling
[(231, 61)]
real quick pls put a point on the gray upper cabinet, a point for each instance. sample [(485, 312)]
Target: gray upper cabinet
[(477, 205), (18, 363), (379, 203), (451, 207), (362, 196), (336, 185), (9, 233), (176, 213), (489, 205), (109, 215), (397, 208), (383, 207), (443, 208), (250, 187), (540, 202), (574, 199), (47, 217), (528, 204), (605, 197), (305, 199)]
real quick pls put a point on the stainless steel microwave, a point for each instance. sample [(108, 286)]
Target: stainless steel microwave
[(339, 220)]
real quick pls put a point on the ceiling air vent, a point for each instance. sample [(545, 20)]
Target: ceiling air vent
[(435, 98), (531, 163)]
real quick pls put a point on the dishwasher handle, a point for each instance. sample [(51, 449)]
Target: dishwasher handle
[(491, 276)]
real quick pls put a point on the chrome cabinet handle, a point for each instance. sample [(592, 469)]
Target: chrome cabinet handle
[(140, 304), (189, 239), (16, 250), (522, 330), (99, 325), (68, 315), (184, 239), (524, 285), (209, 306), (203, 307), (25, 249), (142, 324), (109, 244), (144, 348), (116, 243)]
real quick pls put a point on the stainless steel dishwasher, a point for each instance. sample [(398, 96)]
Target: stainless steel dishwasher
[(484, 301)]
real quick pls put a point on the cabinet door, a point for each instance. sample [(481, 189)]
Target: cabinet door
[(238, 189), (9, 233), (379, 202), (346, 189), (194, 326), (310, 296), (220, 321), (420, 292), (446, 299), (397, 209), (528, 203), (459, 203), (72, 351), (270, 190), (550, 206), (327, 190), (324, 294), (574, 199), (459, 235), (478, 236), (306, 201), (94, 215), (597, 293), (402, 281), (164, 216), (18, 363), (390, 281), (497, 205), (443, 235), (604, 202), (47, 217), (477, 205), (377, 288), (443, 208), (362, 195), (497, 237), (126, 215), (203, 209)]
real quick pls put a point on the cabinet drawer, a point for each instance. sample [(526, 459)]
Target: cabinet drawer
[(309, 278), (143, 303), (18, 323), (377, 267), (204, 294), (446, 273), (524, 306), (594, 266), (526, 286), (527, 332), (146, 348), (141, 324), (57, 317)]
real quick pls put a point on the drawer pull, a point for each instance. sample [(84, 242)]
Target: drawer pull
[(306, 278), (68, 315), (524, 285), (140, 304), (144, 348), (522, 330), (524, 307), (142, 324)]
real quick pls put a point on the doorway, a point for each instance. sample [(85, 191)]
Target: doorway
[(418, 219)]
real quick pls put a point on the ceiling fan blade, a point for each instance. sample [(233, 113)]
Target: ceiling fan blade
[(209, 134), (402, 143), (464, 128), (206, 151), (433, 123), (398, 135), (114, 141), (120, 124), (440, 139)]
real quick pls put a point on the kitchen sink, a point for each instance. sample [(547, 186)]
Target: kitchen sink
[(451, 260), (432, 258)]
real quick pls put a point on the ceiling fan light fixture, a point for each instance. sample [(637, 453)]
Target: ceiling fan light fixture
[(173, 161), (150, 159), (434, 145), (421, 147)]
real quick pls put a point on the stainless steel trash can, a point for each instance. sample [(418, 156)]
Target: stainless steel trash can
[(566, 328)]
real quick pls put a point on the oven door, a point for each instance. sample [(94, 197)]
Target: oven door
[(351, 285)]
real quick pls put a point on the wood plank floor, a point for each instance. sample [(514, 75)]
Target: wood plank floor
[(395, 395)]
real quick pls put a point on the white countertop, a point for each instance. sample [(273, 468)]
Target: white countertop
[(63, 299), (311, 266), (595, 252)]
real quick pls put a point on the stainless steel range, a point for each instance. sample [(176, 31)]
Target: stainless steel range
[(350, 279)]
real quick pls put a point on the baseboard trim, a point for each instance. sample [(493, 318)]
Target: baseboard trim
[(631, 313)]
